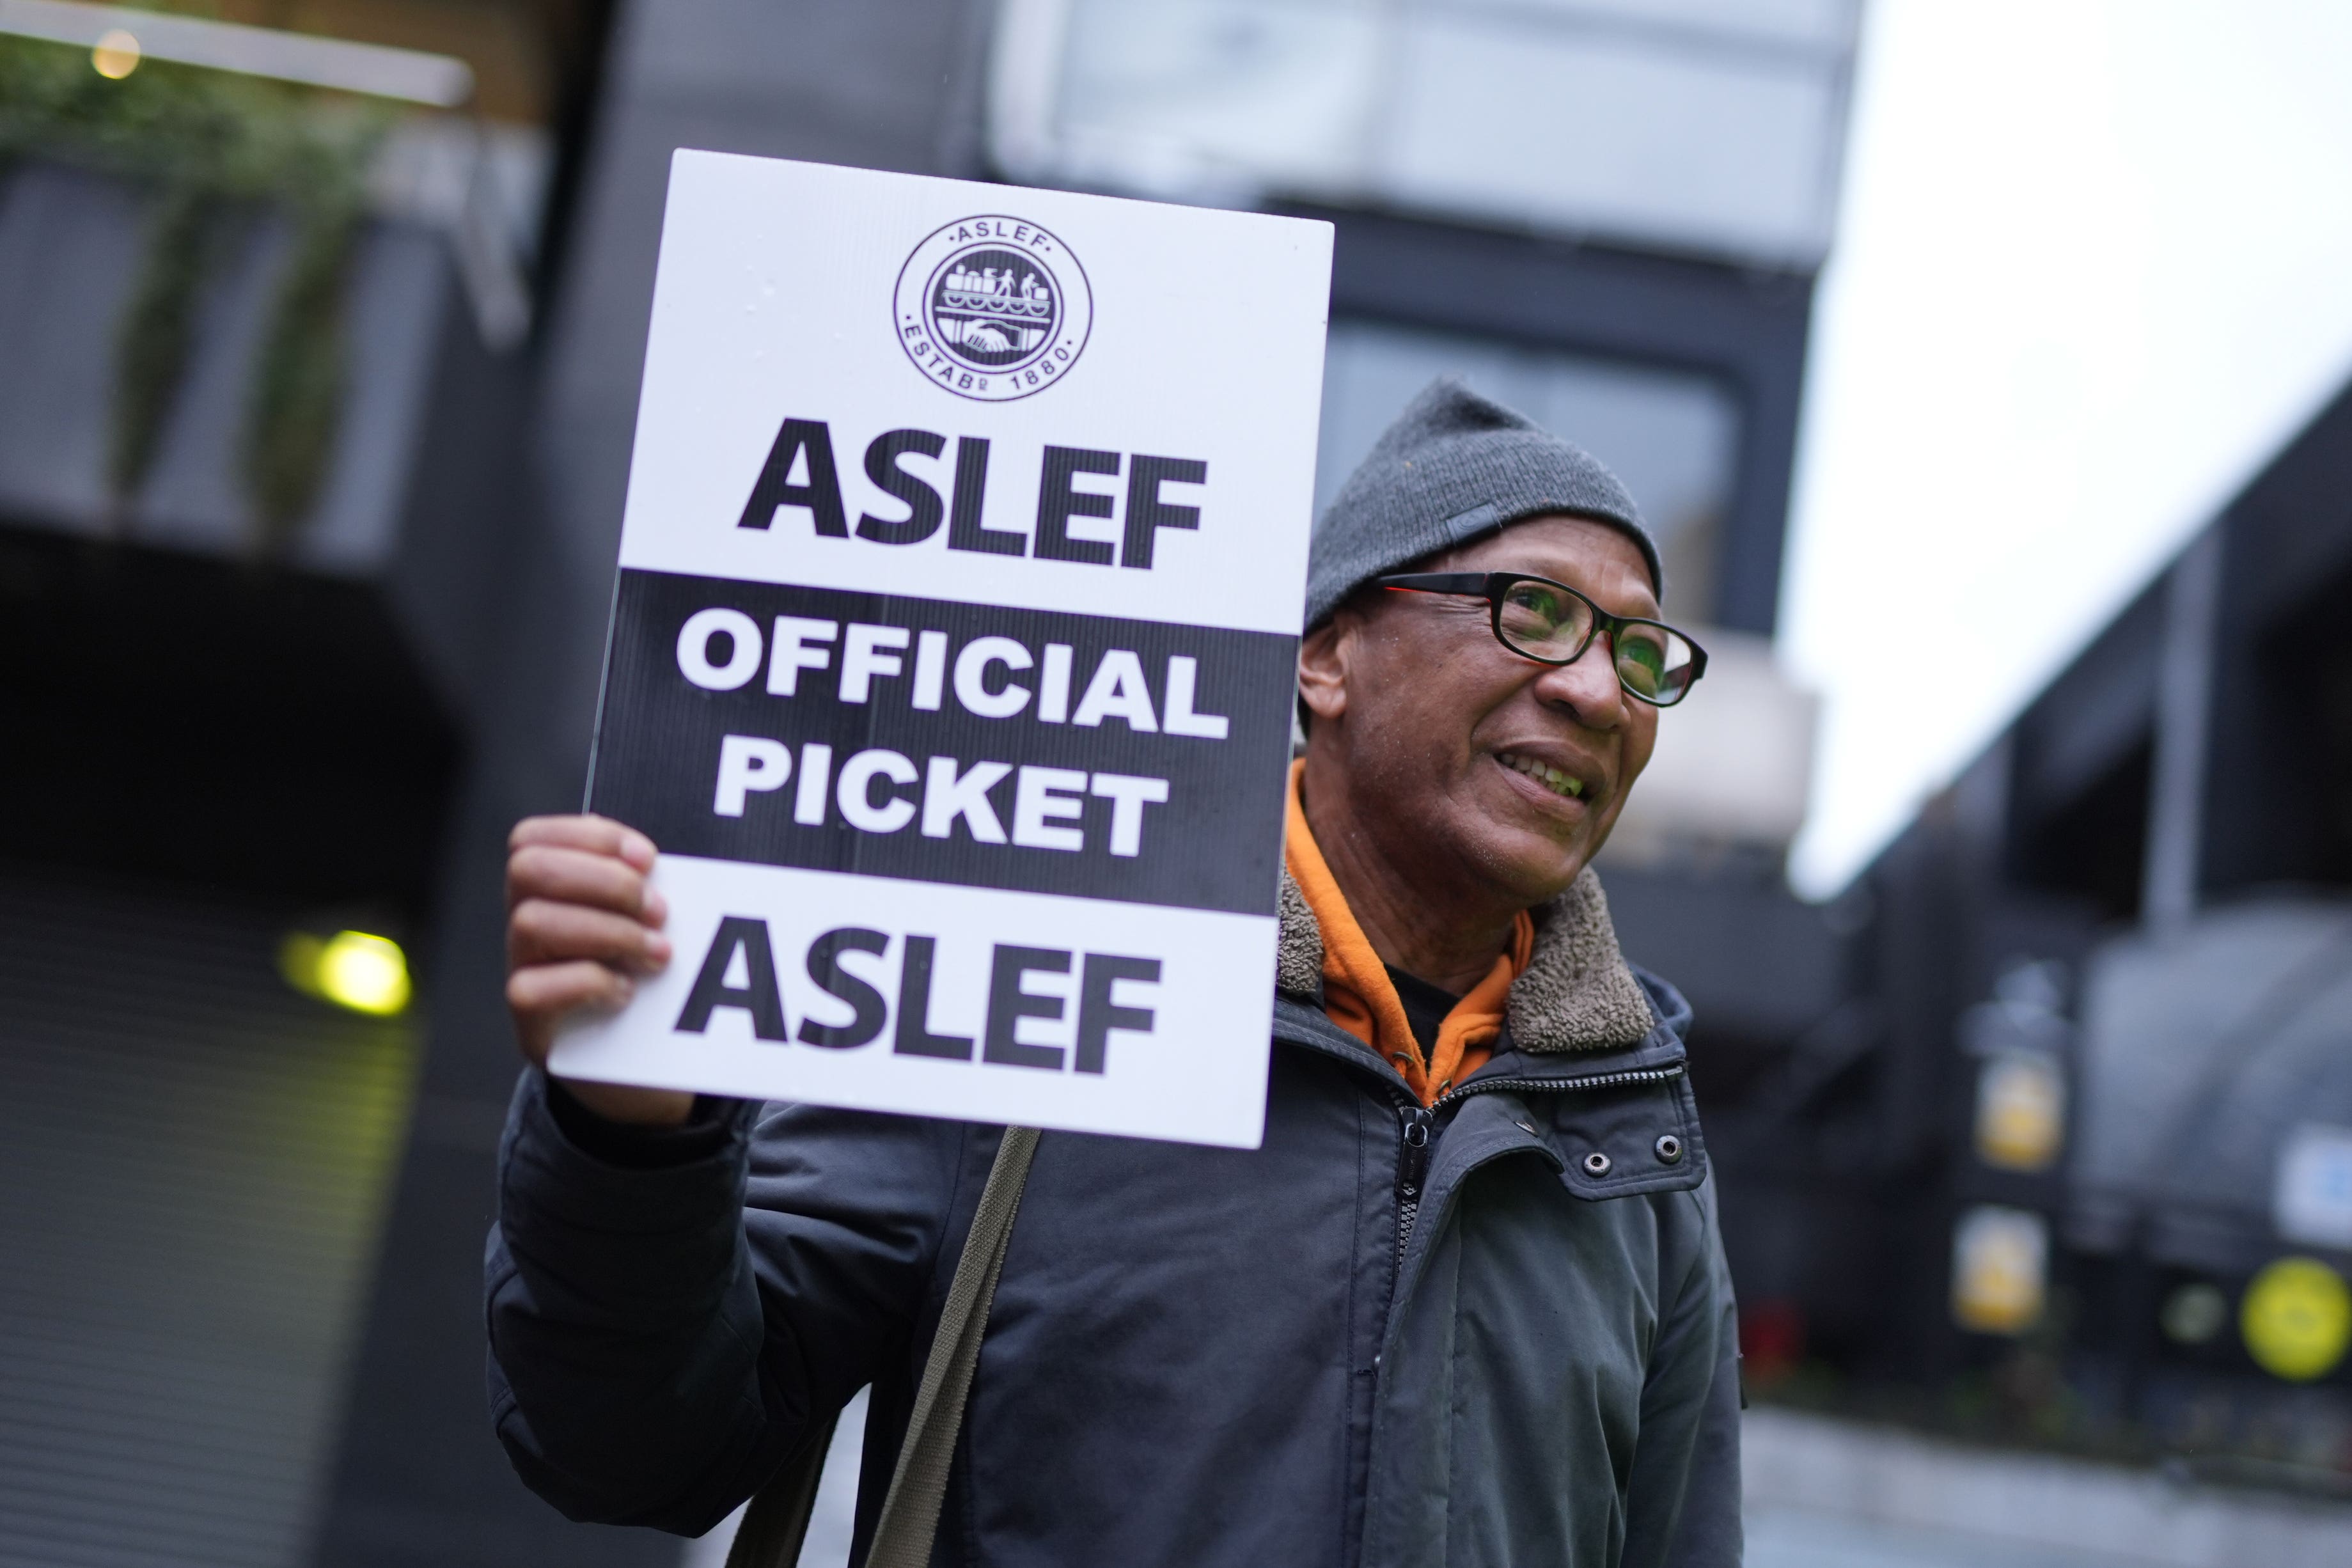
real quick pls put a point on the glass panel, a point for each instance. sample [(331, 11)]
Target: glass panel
[(1185, 91), (1716, 150), (1705, 125), (1827, 23), (1670, 435)]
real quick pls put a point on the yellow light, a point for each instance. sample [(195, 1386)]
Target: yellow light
[(352, 969), (2021, 1111), (2297, 1319), (2000, 1260), (117, 54)]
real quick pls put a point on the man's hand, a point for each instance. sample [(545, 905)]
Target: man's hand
[(583, 923)]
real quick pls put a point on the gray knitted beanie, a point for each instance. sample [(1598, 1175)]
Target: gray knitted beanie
[(1454, 467)]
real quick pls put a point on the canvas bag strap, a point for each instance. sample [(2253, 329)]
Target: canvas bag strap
[(910, 1513), (777, 1521)]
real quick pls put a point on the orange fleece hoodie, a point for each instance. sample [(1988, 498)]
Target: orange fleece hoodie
[(1358, 996)]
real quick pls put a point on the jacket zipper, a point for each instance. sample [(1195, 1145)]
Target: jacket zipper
[(1557, 1085), (1419, 1127), (1413, 1169)]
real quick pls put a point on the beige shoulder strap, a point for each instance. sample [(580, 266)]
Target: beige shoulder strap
[(777, 1521)]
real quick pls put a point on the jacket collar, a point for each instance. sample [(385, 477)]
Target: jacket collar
[(1577, 994)]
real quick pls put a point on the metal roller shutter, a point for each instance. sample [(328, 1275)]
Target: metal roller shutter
[(193, 1161)]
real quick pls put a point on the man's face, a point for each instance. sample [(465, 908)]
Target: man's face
[(1465, 759)]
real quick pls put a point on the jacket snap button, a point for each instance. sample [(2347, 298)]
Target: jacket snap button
[(1670, 1148), (1596, 1163)]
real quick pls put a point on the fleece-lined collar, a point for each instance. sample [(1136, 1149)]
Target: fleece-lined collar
[(1357, 994), (1575, 995)]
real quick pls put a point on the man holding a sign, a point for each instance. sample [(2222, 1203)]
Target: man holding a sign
[(1426, 1269)]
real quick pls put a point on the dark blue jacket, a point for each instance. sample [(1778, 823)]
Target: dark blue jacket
[(1322, 1351)]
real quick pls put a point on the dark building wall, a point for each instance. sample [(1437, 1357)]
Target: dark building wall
[(212, 742), (421, 1478), (185, 702), (2277, 760), (2276, 780)]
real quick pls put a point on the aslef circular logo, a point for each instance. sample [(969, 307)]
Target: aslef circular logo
[(993, 308)]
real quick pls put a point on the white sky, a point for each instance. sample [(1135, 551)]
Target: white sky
[(2094, 267)]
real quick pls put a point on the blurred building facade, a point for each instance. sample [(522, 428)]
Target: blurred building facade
[(260, 392), (260, 696), (2071, 1164)]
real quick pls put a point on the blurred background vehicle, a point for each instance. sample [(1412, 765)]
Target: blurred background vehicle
[(318, 368)]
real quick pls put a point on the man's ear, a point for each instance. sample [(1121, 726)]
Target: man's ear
[(1323, 668)]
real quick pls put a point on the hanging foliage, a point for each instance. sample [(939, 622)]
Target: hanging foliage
[(298, 388), (152, 344), (213, 145)]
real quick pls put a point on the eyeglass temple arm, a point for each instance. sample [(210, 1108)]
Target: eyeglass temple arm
[(1436, 583)]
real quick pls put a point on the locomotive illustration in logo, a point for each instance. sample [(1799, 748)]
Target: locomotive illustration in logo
[(993, 308)]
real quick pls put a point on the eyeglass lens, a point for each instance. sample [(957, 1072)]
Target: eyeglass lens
[(1543, 622)]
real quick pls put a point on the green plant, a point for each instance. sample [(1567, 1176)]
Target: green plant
[(298, 388), (152, 342), (211, 143)]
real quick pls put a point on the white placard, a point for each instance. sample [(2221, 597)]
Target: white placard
[(952, 652), (1070, 1040)]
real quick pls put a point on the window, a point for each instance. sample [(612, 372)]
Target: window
[(1670, 435), (1710, 127)]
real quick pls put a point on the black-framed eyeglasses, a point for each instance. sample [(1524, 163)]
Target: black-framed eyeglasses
[(1551, 623)]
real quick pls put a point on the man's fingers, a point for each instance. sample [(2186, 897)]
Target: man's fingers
[(581, 922), (596, 834), (545, 991), (573, 875), (541, 931)]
